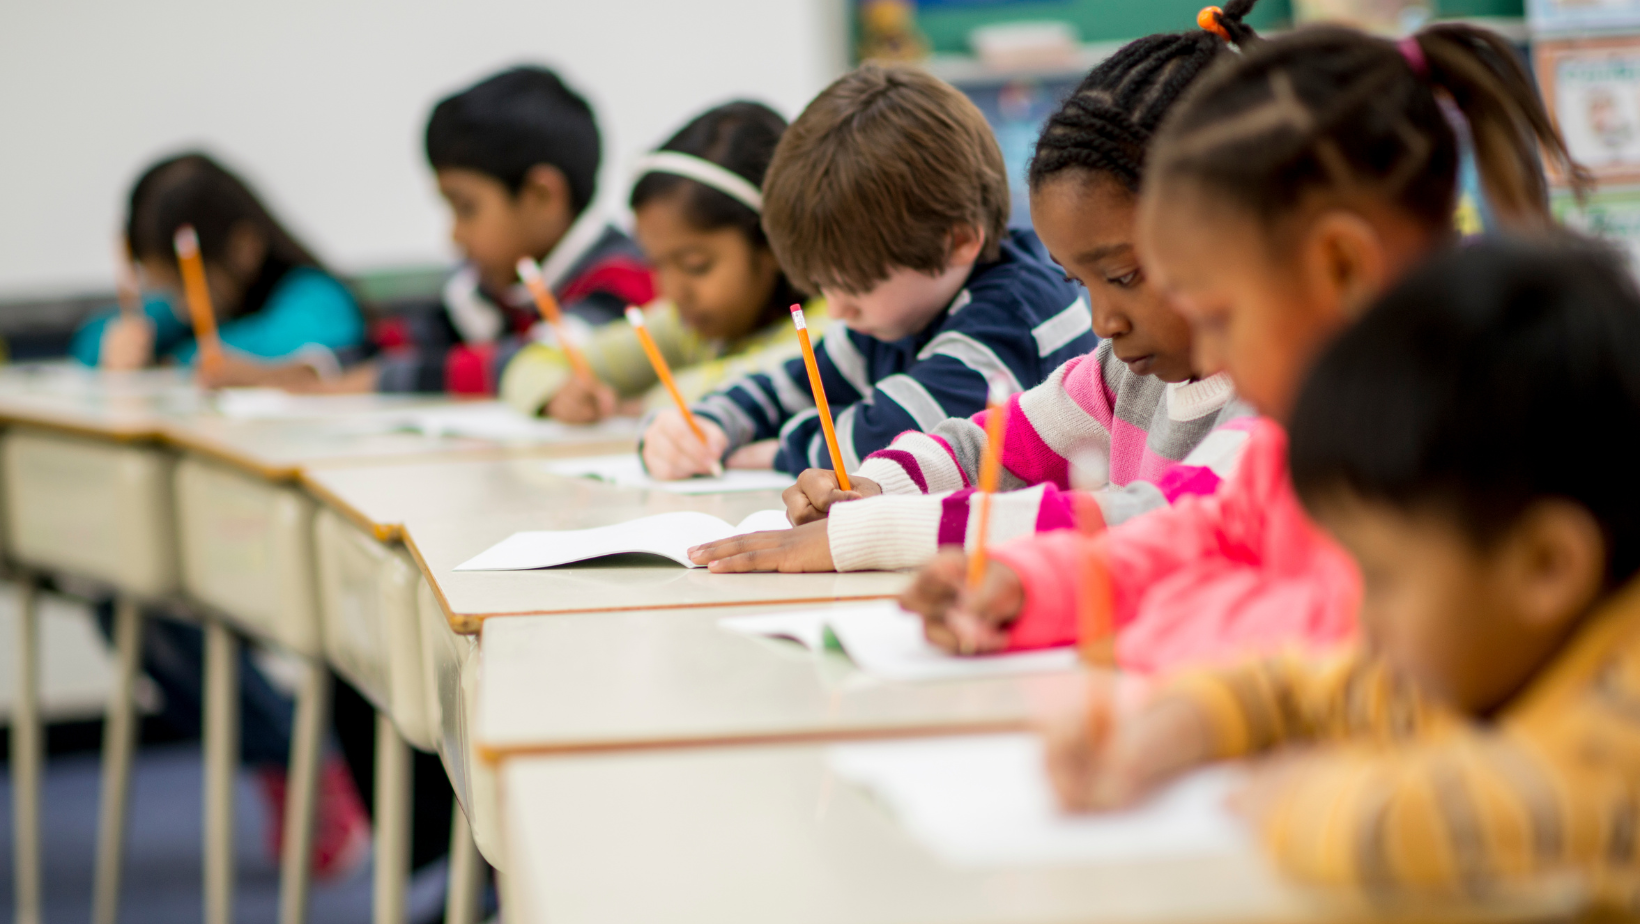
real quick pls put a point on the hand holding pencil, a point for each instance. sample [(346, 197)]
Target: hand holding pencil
[(128, 340), (677, 444)]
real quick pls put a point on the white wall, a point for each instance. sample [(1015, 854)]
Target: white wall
[(321, 104)]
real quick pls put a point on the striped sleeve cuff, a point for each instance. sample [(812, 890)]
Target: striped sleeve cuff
[(891, 472), (883, 533)]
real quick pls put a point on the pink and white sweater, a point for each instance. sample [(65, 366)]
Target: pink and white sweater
[(1092, 422)]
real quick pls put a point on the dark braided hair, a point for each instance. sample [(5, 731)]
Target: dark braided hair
[(1107, 124), (1332, 108)]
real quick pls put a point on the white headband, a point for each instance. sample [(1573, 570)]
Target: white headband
[(701, 171)]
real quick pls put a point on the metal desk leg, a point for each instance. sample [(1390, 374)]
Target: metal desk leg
[(392, 823), (466, 888), (306, 754), (119, 743), (26, 756), (221, 764)]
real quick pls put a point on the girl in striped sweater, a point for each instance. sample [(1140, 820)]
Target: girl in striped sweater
[(1124, 415)]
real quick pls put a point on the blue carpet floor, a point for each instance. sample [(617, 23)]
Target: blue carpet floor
[(163, 851)]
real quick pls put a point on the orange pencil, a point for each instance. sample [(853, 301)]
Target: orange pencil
[(199, 296), (530, 273), (635, 317), (125, 284), (990, 471), (820, 398)]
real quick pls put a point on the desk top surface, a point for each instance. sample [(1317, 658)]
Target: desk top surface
[(663, 678), (767, 833)]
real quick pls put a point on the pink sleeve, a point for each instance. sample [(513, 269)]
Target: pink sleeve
[(1049, 566)]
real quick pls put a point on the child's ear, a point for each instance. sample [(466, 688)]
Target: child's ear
[(1347, 257), (247, 248), (967, 241), (545, 187), (1555, 561)]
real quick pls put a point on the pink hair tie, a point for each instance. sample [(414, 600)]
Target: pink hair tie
[(1414, 54)]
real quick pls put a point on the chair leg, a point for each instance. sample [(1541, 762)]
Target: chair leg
[(466, 888), (221, 766), (27, 756), (392, 823), (306, 755), (119, 745)]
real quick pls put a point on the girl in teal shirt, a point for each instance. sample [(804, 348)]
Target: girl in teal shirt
[(282, 316)]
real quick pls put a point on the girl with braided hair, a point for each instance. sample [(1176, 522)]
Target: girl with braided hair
[(1289, 187), (1131, 410)]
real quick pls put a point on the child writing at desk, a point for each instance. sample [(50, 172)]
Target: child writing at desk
[(888, 196), (1469, 442), (724, 312), (275, 302), (1287, 190), (1136, 406)]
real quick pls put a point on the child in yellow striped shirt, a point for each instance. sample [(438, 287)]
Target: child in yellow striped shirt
[(1467, 442), (724, 310)]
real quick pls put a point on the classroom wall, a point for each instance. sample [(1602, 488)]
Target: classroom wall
[(321, 103)]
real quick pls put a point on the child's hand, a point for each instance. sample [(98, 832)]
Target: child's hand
[(954, 619), (817, 489), (805, 548), (229, 371), (672, 451), (581, 401), (758, 455), (1098, 760), (127, 343), (1270, 780)]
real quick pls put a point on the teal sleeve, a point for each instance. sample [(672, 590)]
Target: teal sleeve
[(307, 308), (168, 331)]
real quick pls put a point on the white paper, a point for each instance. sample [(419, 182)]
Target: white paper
[(493, 420), (670, 535), (274, 404), (985, 801), (626, 471), (887, 642)]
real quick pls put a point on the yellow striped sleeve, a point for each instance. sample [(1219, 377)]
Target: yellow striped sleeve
[(538, 371)]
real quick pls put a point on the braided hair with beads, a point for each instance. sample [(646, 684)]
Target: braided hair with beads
[(1107, 124)]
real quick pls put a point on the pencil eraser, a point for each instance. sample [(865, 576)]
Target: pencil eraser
[(634, 316), (528, 271), (798, 319), (186, 241)]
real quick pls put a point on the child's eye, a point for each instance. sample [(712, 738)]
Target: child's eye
[(1072, 279), (1125, 281), (696, 269)]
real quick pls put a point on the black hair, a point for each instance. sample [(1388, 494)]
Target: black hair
[(1496, 375), (739, 137), (193, 189), (508, 123), (1332, 108), (1106, 125)]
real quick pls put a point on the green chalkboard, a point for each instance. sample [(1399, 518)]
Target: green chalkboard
[(948, 22)]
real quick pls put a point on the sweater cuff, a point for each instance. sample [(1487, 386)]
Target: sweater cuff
[(531, 380), (888, 474), (1049, 567), (883, 533)]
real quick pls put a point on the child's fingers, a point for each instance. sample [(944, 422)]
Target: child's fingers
[(801, 549), (974, 634), (809, 497), (672, 451), (1068, 754)]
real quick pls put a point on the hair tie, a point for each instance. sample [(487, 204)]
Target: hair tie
[(702, 171), (1414, 55), (1209, 20)]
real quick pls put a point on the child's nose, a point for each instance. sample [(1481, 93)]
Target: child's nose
[(1108, 324)]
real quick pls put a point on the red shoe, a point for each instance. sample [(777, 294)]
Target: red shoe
[(341, 829)]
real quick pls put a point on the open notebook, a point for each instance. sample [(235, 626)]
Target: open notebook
[(886, 641), (985, 801), (626, 471), (669, 535)]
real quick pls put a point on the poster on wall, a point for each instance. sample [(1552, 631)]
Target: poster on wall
[(1580, 15), (1610, 214), (1592, 87)]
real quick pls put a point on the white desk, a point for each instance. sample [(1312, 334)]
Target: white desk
[(767, 834)]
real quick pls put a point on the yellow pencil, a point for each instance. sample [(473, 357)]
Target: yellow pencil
[(634, 316), (125, 284), (990, 471), (820, 402), (199, 296), (530, 273)]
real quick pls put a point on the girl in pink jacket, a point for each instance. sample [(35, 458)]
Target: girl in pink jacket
[(1284, 193)]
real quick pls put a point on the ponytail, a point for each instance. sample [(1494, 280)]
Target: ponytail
[(1507, 122)]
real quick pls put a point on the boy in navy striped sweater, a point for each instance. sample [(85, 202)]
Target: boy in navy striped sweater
[(889, 197)]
